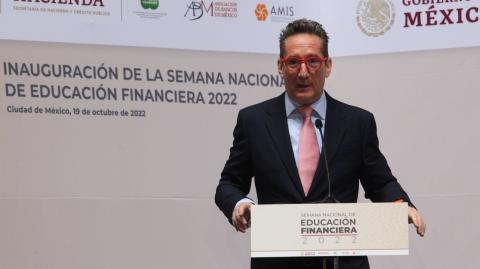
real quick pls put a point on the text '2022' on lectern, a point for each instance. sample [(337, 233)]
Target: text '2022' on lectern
[(296, 230)]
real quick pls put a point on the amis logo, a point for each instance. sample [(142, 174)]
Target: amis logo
[(93, 3), (149, 4), (261, 12), (283, 11), (225, 9), (275, 13)]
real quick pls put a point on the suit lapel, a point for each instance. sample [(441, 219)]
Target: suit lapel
[(278, 130), (333, 135)]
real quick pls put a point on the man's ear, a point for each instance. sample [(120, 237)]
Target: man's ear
[(279, 67), (328, 67)]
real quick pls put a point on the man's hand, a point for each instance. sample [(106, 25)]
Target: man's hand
[(241, 216), (417, 220)]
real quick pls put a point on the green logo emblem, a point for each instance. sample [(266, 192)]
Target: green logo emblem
[(149, 4)]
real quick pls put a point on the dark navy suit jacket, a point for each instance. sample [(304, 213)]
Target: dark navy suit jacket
[(262, 150)]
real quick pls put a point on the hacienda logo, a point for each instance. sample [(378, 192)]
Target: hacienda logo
[(149, 4), (92, 3), (62, 7), (261, 12)]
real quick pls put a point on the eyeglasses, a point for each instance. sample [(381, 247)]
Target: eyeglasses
[(293, 63)]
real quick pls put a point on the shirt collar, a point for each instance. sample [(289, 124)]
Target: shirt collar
[(319, 107)]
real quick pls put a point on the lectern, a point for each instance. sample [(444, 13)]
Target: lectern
[(341, 229)]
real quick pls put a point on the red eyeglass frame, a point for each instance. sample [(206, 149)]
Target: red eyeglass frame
[(303, 60)]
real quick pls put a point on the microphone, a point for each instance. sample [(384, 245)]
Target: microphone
[(329, 198)]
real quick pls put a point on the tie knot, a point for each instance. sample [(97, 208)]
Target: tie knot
[(306, 111)]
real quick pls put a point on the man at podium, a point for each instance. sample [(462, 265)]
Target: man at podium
[(280, 143)]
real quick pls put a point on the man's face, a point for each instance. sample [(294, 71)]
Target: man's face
[(304, 84)]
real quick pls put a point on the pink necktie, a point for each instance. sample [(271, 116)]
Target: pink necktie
[(308, 150)]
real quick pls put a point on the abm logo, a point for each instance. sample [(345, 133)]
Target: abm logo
[(261, 12), (149, 4), (196, 10)]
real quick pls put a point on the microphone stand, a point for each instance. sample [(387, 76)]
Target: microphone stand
[(329, 199)]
